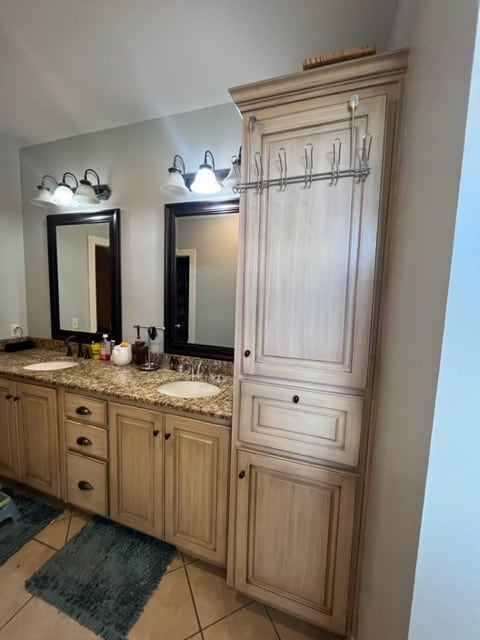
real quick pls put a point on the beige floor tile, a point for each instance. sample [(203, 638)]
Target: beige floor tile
[(39, 621), (14, 573), (290, 628), (250, 623), (176, 563), (169, 613), (213, 598), (77, 522), (67, 512), (55, 533), (188, 559)]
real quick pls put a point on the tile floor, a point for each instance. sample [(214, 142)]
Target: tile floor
[(192, 601)]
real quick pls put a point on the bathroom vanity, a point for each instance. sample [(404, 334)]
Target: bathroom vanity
[(104, 439)]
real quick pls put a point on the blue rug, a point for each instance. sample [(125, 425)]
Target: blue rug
[(35, 515), (103, 576)]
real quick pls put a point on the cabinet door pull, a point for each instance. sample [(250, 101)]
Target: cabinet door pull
[(295, 399), (16, 398), (84, 442), (83, 485), (83, 411), (155, 433), (9, 396), (167, 436), (247, 353), (241, 475)]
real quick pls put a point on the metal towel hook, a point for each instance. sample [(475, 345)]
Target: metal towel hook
[(259, 170), (308, 165), (337, 150), (353, 104), (282, 159), (366, 148)]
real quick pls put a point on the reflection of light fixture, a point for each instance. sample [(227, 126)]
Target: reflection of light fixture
[(44, 196), (87, 193), (233, 178), (175, 183), (65, 194), (205, 181)]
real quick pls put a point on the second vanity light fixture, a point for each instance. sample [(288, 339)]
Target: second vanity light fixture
[(76, 193), (207, 180)]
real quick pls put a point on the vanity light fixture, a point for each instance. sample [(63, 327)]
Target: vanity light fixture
[(206, 181), (64, 194), (175, 183), (87, 193), (44, 196), (233, 178)]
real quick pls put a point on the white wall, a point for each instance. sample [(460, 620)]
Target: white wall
[(12, 270), (440, 34), (446, 602), (134, 161)]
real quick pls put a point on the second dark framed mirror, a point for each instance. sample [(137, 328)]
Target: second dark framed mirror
[(84, 274), (201, 243)]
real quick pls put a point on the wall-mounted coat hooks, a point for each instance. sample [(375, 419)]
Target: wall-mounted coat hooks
[(359, 170)]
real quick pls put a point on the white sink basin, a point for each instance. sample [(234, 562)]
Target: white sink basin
[(189, 389), (51, 365)]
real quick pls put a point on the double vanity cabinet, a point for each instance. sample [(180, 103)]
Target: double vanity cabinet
[(161, 473)]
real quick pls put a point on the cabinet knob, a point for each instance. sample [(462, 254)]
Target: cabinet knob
[(16, 398), (241, 475), (295, 399), (9, 396), (83, 411), (155, 433), (247, 353), (84, 442), (83, 485), (167, 436)]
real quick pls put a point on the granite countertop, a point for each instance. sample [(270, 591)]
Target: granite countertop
[(118, 382)]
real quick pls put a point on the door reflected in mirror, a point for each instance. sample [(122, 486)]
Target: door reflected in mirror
[(201, 261)]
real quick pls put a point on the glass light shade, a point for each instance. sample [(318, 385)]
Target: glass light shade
[(205, 181), (85, 193), (233, 177), (43, 198), (63, 194), (174, 184)]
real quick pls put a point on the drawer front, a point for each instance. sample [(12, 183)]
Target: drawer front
[(84, 408), (87, 483), (88, 440), (299, 421)]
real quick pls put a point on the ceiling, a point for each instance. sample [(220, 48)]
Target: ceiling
[(75, 66)]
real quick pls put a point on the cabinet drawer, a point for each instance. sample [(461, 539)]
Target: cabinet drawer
[(85, 472), (299, 421), (88, 440), (84, 408)]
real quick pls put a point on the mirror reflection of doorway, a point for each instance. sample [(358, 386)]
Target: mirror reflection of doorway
[(99, 278), (185, 294)]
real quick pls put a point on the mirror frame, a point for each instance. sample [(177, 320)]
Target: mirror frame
[(112, 218), (172, 212)]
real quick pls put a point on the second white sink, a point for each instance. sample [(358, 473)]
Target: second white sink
[(189, 389), (50, 365)]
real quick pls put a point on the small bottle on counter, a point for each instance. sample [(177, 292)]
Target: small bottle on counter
[(95, 349), (105, 348)]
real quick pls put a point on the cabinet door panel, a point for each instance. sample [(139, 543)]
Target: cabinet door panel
[(136, 467), (9, 465), (38, 437), (310, 252), (81, 470), (196, 487), (294, 536)]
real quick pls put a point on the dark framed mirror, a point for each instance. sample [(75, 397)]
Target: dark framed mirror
[(201, 244), (84, 274)]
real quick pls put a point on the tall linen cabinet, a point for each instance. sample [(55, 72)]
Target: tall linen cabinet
[(317, 161)]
